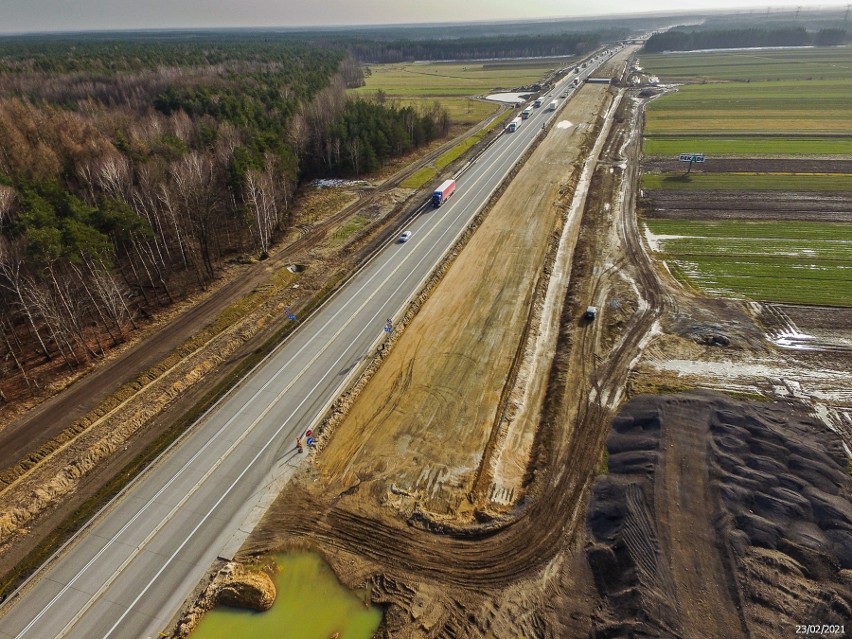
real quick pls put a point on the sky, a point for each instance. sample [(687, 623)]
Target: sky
[(18, 16)]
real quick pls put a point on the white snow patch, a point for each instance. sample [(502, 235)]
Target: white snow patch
[(330, 183), (654, 241), (564, 124), (511, 98), (794, 340)]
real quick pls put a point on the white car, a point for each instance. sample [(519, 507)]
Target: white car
[(404, 237)]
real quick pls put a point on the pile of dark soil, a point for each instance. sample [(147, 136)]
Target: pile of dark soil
[(720, 518)]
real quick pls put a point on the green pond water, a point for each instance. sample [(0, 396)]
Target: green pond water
[(311, 604)]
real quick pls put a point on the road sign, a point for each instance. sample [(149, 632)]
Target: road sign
[(692, 157), (291, 316)]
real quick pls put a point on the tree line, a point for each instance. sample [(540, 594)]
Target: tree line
[(681, 40), (370, 50), (130, 171)]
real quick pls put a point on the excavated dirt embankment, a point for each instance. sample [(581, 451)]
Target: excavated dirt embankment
[(720, 518)]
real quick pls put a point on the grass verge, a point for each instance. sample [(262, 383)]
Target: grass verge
[(419, 178)]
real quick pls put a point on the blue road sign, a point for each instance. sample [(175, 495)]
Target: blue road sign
[(291, 316), (310, 441)]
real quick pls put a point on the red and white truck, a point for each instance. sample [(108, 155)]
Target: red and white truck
[(442, 193)]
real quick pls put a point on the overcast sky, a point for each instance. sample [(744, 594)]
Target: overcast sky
[(75, 15)]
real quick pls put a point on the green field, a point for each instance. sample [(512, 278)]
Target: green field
[(452, 84), (819, 106), (794, 102), (747, 146), (755, 103), (453, 78), (747, 181), (466, 111), (819, 63), (792, 262)]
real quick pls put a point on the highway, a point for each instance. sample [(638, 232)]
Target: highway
[(130, 569)]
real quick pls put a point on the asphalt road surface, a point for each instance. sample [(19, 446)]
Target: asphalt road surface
[(129, 571)]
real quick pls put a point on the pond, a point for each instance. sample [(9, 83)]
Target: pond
[(311, 604)]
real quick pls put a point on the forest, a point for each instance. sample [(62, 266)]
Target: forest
[(131, 168), (509, 46), (681, 40)]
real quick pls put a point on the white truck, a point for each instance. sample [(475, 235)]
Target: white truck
[(553, 104), (537, 103), (513, 125), (526, 113)]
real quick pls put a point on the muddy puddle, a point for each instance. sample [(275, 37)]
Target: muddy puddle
[(311, 604)]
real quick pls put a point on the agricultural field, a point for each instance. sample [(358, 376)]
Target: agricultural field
[(817, 63), (790, 262), (786, 107), (453, 84), (768, 217), (682, 181), (747, 146), (765, 103), (453, 78)]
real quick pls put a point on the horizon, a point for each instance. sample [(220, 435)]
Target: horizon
[(657, 10)]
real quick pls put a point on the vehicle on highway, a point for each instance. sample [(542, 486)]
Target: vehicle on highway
[(526, 113), (537, 103), (513, 125), (443, 192), (404, 237)]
